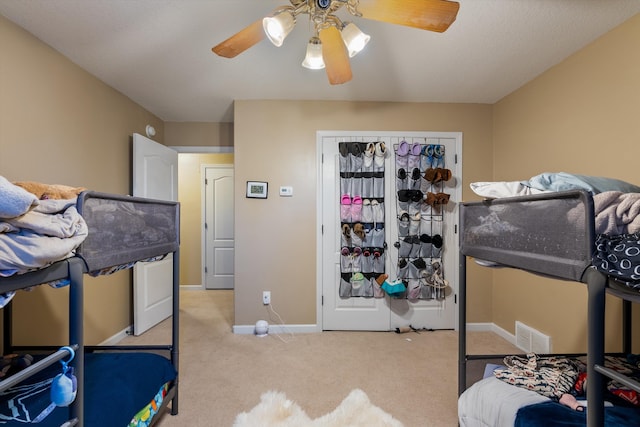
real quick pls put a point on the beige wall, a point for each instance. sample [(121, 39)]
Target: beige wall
[(59, 124), (190, 181), (580, 117), (196, 134), (275, 141)]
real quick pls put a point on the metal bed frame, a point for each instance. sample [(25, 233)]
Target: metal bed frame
[(574, 268), (74, 269)]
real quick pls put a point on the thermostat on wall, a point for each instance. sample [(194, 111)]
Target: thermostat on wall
[(286, 191)]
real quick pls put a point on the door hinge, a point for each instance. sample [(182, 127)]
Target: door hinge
[(455, 159), (322, 229), (455, 298), (322, 300), (206, 181), (206, 270), (455, 229), (206, 226)]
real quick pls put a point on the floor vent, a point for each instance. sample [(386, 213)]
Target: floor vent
[(531, 340)]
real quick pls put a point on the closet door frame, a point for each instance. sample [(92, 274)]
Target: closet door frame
[(456, 193)]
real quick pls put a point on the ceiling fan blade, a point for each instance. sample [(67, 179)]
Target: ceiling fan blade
[(432, 15), (335, 56), (240, 41)]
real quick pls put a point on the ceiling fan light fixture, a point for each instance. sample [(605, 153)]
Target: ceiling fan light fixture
[(313, 59), (278, 26), (354, 39)]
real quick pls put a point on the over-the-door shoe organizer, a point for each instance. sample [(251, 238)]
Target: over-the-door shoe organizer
[(420, 176), (362, 246)]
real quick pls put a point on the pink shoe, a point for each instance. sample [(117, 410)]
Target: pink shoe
[(345, 208)]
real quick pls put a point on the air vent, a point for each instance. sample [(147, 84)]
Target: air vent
[(531, 340)]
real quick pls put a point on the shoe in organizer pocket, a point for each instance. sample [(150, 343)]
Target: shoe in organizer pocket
[(369, 151), (345, 208), (402, 180), (356, 209), (345, 160), (413, 159), (345, 286), (415, 180), (345, 235), (378, 260), (356, 156), (413, 288), (379, 156), (438, 156), (378, 211), (367, 211)]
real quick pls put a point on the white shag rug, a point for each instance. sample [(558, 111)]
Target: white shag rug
[(275, 410)]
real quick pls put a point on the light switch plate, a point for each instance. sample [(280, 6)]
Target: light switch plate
[(286, 191)]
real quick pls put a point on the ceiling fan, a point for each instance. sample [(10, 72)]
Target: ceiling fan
[(335, 40)]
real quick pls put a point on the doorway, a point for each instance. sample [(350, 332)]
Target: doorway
[(193, 162), (384, 312)]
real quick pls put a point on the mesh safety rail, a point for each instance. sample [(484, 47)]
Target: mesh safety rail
[(550, 234)]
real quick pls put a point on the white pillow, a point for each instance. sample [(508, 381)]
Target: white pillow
[(14, 200)]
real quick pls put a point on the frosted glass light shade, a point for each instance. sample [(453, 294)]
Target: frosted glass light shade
[(278, 27), (354, 39), (313, 60)]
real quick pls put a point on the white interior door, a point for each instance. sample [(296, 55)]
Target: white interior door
[(155, 175), (219, 228), (360, 313), (363, 314), (432, 313)]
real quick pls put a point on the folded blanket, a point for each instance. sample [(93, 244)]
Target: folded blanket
[(617, 212), (40, 237), (14, 200)]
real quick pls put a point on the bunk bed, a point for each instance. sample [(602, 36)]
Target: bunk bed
[(551, 234), (116, 385)]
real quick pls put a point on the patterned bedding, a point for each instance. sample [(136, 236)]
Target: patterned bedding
[(495, 402)]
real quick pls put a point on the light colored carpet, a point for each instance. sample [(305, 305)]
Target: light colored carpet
[(275, 410), (411, 376)]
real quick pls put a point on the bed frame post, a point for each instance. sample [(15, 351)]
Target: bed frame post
[(7, 337), (462, 325), (176, 328), (626, 326), (76, 333), (596, 283)]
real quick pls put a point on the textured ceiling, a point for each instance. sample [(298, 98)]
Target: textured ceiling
[(158, 52)]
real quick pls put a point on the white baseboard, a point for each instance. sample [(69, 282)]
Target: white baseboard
[(305, 329), (279, 329), (115, 339), (492, 327)]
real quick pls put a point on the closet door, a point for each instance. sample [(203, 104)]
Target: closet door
[(432, 230), (342, 312), (345, 307)]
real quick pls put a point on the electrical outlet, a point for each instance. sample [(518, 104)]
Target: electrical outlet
[(266, 297)]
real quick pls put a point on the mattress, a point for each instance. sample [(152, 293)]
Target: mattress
[(118, 386), (494, 402)]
